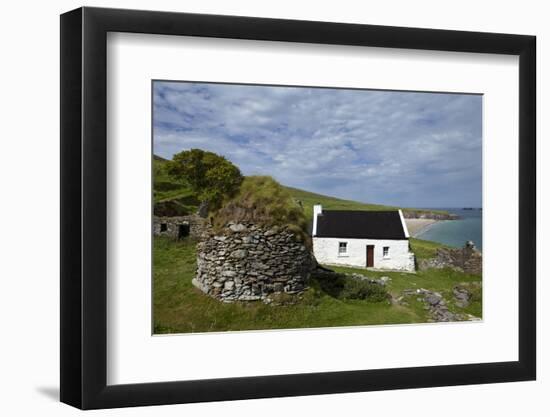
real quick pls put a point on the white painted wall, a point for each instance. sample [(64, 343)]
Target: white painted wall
[(400, 258)]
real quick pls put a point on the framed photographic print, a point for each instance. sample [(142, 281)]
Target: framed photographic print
[(258, 207)]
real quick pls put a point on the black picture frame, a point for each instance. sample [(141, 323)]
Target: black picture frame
[(84, 207)]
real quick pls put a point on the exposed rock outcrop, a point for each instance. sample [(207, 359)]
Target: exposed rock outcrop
[(413, 214), (467, 259), (466, 292), (436, 305)]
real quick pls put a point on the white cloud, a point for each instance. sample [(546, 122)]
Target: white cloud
[(410, 149)]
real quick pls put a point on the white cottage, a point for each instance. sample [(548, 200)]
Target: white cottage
[(367, 239)]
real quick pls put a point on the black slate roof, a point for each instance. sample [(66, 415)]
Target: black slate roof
[(360, 224)]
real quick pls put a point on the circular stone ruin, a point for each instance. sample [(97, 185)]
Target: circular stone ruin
[(248, 262)]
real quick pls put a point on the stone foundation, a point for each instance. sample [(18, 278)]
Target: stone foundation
[(246, 262), (178, 227)]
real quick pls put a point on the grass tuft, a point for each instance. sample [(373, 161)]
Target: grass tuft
[(262, 200)]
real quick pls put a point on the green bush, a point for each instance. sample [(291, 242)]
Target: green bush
[(211, 177), (355, 289), (331, 284), (344, 287)]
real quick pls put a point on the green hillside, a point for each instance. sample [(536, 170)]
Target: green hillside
[(164, 186), (173, 197), (308, 199)]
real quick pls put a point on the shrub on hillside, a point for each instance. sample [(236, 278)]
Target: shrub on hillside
[(356, 289), (211, 177), (344, 287)]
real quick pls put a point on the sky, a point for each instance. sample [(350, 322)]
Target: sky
[(407, 149)]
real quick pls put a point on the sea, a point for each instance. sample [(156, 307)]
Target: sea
[(456, 232)]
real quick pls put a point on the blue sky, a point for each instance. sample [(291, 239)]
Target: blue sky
[(401, 148)]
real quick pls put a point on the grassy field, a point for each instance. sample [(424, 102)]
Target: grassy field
[(181, 308)]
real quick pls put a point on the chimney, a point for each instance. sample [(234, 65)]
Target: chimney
[(317, 210)]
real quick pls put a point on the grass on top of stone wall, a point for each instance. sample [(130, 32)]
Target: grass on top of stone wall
[(263, 201), (179, 307)]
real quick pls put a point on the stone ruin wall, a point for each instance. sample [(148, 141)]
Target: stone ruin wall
[(196, 224), (247, 262), (467, 259)]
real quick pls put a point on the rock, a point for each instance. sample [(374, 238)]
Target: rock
[(271, 232), (229, 274), (237, 227), (259, 266), (462, 297), (249, 298), (432, 299), (239, 254), (228, 285), (435, 304), (202, 211)]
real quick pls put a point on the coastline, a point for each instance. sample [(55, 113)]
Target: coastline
[(419, 226)]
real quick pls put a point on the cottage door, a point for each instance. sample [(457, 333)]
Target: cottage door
[(370, 255)]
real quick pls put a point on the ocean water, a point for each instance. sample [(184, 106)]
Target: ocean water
[(456, 232)]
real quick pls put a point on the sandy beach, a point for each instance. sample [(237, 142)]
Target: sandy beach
[(416, 226)]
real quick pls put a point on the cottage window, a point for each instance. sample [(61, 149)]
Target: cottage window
[(386, 251), (342, 248), (163, 227)]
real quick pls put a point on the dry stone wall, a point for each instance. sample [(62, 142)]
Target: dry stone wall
[(179, 226), (467, 259), (247, 262)]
